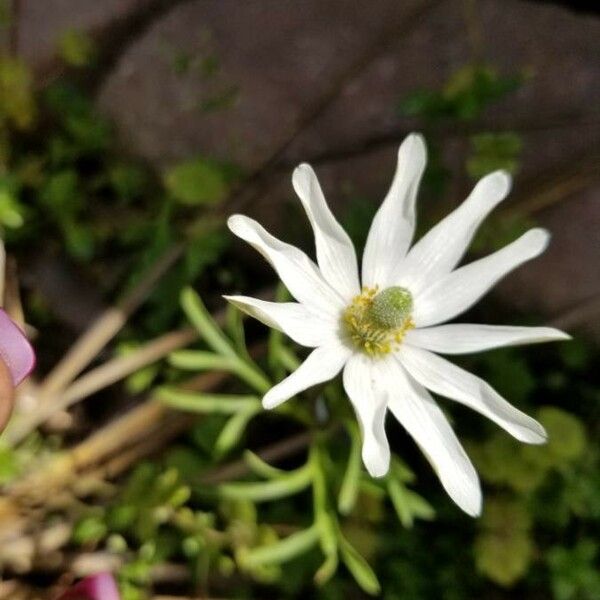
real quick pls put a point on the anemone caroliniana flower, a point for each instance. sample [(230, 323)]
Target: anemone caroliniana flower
[(101, 586), (386, 334), (17, 358)]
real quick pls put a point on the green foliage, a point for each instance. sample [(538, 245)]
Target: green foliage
[(11, 210), (77, 48), (17, 103), (466, 94), (575, 573), (198, 182), (503, 548), (493, 151), (168, 512)]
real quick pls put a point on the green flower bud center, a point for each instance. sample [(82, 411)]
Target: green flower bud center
[(376, 322), (391, 307)]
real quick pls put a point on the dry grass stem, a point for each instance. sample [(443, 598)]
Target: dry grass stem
[(102, 376), (104, 329)]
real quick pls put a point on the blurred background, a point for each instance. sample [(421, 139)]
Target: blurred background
[(130, 129)]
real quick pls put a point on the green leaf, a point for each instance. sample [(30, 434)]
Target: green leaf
[(408, 504), (503, 557), (397, 494), (202, 320), (90, 529), (467, 93), (289, 485), (359, 567), (262, 468), (9, 464), (504, 548), (61, 194), (11, 210), (400, 471), (234, 428), (566, 433), (142, 379), (197, 360), (234, 326), (284, 550), (225, 404), (127, 181), (288, 359), (349, 487), (493, 151), (17, 100), (327, 570), (79, 240), (76, 48), (197, 182)]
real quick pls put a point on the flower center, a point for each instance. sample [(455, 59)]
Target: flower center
[(376, 322)]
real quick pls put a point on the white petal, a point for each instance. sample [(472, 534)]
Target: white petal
[(321, 365), (293, 319), (442, 247), (335, 252), (446, 379), (460, 289), (364, 386), (418, 413), (394, 224), (299, 274), (462, 338)]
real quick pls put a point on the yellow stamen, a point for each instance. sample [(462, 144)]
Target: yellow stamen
[(366, 332)]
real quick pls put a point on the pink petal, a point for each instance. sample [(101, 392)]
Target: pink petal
[(101, 586), (15, 349)]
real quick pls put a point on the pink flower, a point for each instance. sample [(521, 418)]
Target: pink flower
[(15, 350), (101, 586), (17, 360)]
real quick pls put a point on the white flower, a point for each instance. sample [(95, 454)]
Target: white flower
[(385, 335)]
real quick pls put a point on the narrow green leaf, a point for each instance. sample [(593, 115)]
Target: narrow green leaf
[(324, 519), (397, 494), (408, 504), (207, 403), (419, 506), (319, 483), (234, 327), (400, 471), (291, 484), (328, 533), (250, 373), (202, 320), (233, 430), (288, 358), (359, 567), (197, 360), (349, 488), (280, 552), (327, 569), (262, 468)]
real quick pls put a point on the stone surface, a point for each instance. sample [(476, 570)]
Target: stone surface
[(271, 61), (41, 24)]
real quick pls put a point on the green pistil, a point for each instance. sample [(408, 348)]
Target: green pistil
[(391, 307), (376, 322)]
